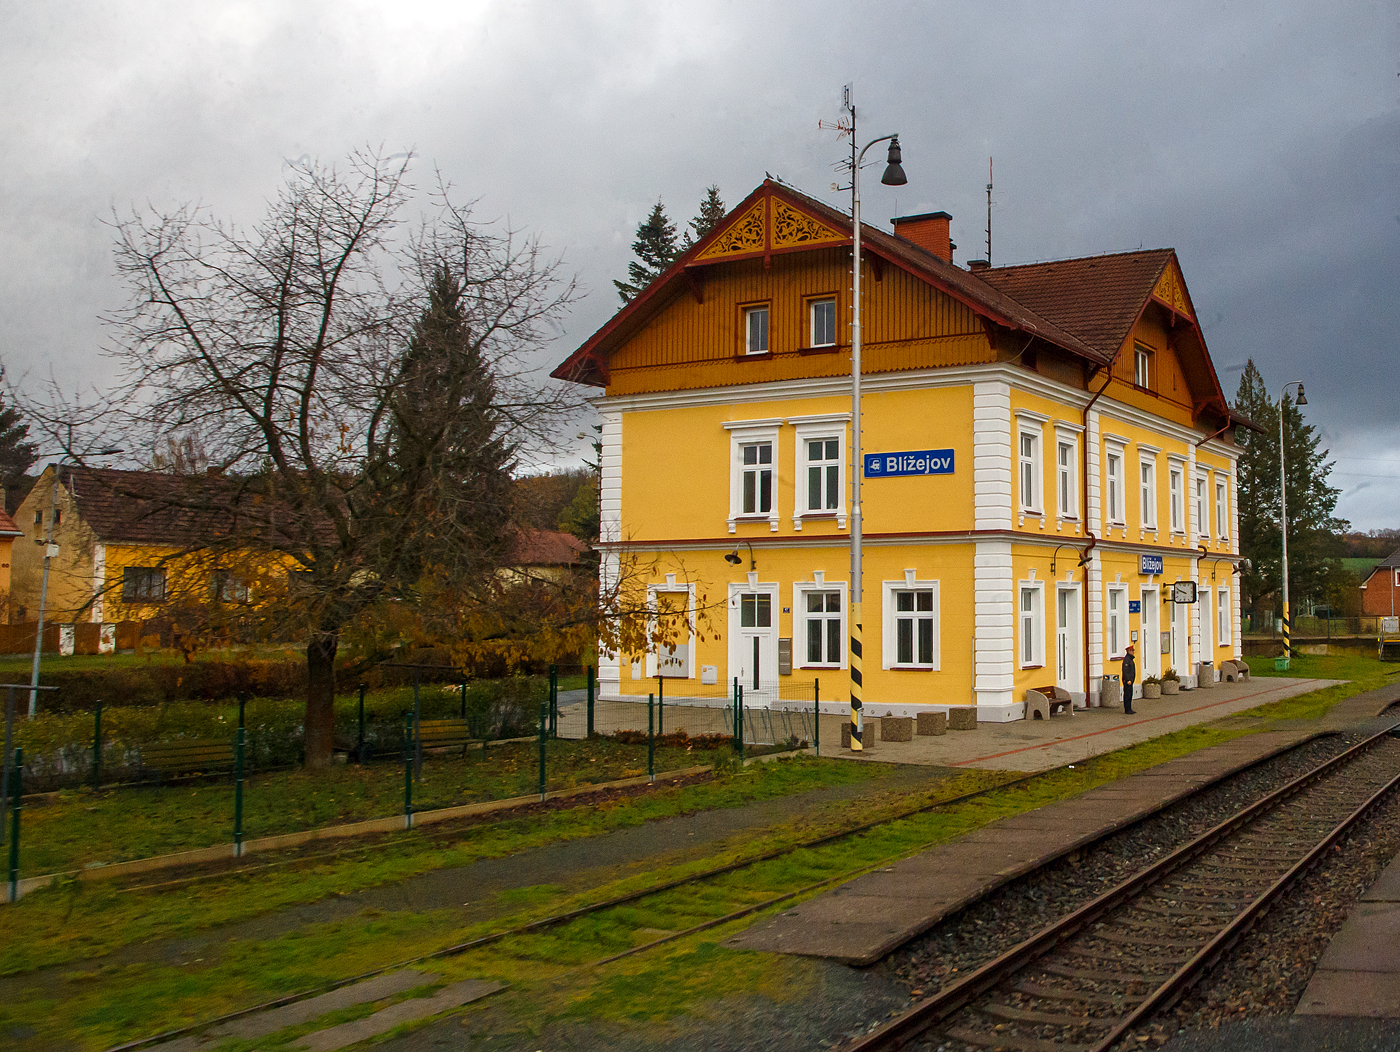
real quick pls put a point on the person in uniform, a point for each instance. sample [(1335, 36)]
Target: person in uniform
[(1129, 678)]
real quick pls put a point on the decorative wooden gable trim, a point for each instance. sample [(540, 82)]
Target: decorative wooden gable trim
[(769, 225), (1170, 291)]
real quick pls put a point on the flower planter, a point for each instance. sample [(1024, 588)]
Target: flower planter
[(1170, 686), (1151, 691)]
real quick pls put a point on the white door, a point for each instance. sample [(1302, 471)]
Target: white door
[(673, 657), (1150, 649), (1206, 643), (753, 642), (1068, 650), (1181, 632)]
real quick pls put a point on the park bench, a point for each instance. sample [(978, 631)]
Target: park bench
[(1233, 672), (191, 756), (445, 734), (1044, 702)]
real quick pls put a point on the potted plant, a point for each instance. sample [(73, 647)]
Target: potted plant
[(1151, 688), (1171, 682)]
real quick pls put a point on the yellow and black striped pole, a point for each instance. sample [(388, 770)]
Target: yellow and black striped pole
[(1287, 632), (857, 717)]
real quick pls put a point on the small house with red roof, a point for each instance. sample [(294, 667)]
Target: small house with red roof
[(1380, 592), (1046, 454)]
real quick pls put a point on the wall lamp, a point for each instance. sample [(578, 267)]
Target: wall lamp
[(1083, 556), (735, 559)]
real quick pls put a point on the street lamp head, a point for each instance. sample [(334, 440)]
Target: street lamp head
[(894, 173), (734, 558), (1302, 398)]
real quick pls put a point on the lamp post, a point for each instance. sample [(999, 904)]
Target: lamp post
[(894, 176), (50, 550), (1283, 511)]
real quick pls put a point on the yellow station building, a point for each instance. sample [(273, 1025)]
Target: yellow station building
[(1046, 452)]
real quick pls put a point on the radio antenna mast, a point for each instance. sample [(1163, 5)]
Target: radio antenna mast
[(989, 211)]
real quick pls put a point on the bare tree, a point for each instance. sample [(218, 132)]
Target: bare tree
[(298, 357)]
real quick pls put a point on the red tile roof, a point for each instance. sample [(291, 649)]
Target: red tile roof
[(8, 527), (150, 507), (545, 548)]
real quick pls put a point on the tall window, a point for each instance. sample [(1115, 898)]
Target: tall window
[(1030, 471), (825, 629), (1225, 613), (1147, 474), (1115, 486), (1032, 627), (1174, 496), (143, 584), (1207, 628), (755, 610), (914, 626), (822, 319), (823, 474), (1142, 367), (1117, 619), (1202, 523), (1222, 509), (1067, 491), (757, 479), (756, 330)]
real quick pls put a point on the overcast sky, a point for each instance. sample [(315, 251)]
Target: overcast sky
[(1260, 140)]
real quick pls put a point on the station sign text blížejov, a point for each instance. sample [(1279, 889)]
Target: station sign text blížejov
[(909, 462)]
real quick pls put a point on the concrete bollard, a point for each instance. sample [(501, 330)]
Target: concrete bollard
[(933, 723), (897, 729), (962, 718)]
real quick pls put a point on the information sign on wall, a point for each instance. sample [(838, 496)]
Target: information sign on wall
[(1134, 606), (1150, 564), (909, 462)]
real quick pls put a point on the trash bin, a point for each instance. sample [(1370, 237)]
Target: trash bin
[(1111, 691), (1280, 664)]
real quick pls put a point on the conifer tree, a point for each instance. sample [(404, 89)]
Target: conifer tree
[(655, 248), (16, 455), (712, 210)]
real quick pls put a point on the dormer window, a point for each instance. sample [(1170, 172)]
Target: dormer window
[(1142, 367), (756, 330), (823, 321)]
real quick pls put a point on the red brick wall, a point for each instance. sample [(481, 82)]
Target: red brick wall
[(1380, 596)]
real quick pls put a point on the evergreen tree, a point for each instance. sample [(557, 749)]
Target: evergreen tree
[(17, 456), (712, 210), (656, 249), (1312, 527)]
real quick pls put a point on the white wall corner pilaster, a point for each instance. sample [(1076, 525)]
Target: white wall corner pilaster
[(994, 623), (610, 482), (991, 455), (99, 582), (1092, 482), (609, 665)]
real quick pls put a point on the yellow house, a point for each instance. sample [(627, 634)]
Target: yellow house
[(1047, 452)]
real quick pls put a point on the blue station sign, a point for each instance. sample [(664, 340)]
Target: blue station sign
[(1150, 564), (909, 462), (1134, 606)]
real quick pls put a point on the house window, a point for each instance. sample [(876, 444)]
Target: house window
[(143, 584), (1225, 614), (755, 610), (756, 483), (823, 474), (1222, 509), (756, 330), (825, 631), (38, 518), (1174, 496), (1030, 471), (1117, 623), (1202, 523), (57, 516), (1142, 367), (1066, 485), (822, 322), (1032, 650), (1115, 486), (1147, 474), (911, 624), (226, 587), (1207, 629)]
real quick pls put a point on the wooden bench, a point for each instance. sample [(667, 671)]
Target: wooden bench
[(191, 756), (446, 734), (1044, 702)]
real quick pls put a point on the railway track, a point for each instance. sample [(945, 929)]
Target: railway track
[(1097, 976)]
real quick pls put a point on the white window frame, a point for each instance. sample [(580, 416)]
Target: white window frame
[(1142, 367), (1067, 475), (1176, 494), (749, 314), (1206, 632), (889, 633), (671, 587), (745, 433), (1147, 491), (1202, 519), (1114, 512), (800, 591), (1030, 466), (810, 429), (1222, 507), (1224, 615), (1030, 624), (812, 305), (1113, 625)]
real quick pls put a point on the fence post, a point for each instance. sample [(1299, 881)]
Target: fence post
[(9, 740), (97, 746), (417, 731), (238, 793), (554, 701), (408, 770), (741, 721), (544, 732), (464, 699), (592, 685), (736, 713), (651, 742), (817, 715), (18, 784), (660, 705), (360, 740)]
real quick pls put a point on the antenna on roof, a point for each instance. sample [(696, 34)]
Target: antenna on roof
[(989, 211), (844, 126)]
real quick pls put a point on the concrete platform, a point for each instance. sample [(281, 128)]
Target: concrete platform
[(1359, 973), (860, 922)]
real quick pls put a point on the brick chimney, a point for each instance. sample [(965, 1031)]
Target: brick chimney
[(930, 231)]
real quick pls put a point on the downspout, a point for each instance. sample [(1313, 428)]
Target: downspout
[(1093, 539)]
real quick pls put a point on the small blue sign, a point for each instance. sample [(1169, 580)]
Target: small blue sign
[(1134, 606), (909, 462), (1150, 564)]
